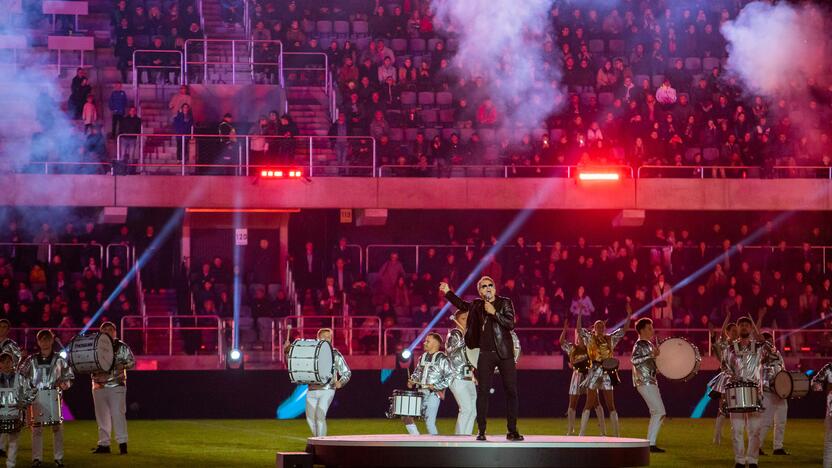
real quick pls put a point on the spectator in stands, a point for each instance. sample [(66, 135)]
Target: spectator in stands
[(118, 107), (232, 12), (183, 124), (389, 274), (182, 97), (386, 70), (487, 114), (263, 312), (341, 129), (130, 125), (89, 114)]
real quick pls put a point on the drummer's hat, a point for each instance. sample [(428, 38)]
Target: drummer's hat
[(107, 324), (44, 333), (5, 321), (6, 353)]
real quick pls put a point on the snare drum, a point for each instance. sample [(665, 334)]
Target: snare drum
[(11, 415), (91, 353), (610, 364), (46, 409), (310, 362), (406, 403), (789, 385), (742, 397), (678, 359)]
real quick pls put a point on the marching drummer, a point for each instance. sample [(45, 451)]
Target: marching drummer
[(775, 409), (109, 394), (744, 361), (579, 362), (432, 375), (320, 396), (644, 379), (600, 346), (15, 394), (727, 335), (821, 382), (8, 345), (49, 374), (463, 385)]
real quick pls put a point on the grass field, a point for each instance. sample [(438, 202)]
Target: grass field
[(253, 443)]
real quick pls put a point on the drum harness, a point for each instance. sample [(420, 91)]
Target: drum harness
[(613, 373)]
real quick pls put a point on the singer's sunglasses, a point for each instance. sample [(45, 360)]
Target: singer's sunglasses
[(486, 286)]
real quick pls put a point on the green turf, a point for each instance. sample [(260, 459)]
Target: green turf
[(253, 443)]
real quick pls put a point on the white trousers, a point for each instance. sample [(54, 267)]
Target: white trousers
[(57, 442), (465, 393), (740, 423), (11, 453), (653, 398), (111, 414), (430, 403), (317, 405), (827, 443), (775, 413)]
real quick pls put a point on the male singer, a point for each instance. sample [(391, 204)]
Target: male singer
[(490, 321)]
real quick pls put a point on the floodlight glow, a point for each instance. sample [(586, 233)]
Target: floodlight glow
[(607, 176)]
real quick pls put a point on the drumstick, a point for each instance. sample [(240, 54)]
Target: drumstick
[(288, 332)]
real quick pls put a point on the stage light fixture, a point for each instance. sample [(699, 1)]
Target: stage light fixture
[(605, 176), (281, 173), (63, 354), (406, 354), (235, 359)]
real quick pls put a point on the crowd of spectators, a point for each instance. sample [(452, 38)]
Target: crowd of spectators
[(56, 277), (642, 85), (551, 284)]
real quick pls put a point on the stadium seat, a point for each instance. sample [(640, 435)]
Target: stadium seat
[(394, 117), (596, 46), (618, 154), (362, 43), (585, 97), (709, 63), (342, 28), (429, 117), (427, 98), (606, 99), (487, 135), (410, 134), (447, 116), (537, 133), (417, 45), (323, 27), (408, 99), (465, 134), (555, 134), (398, 45), (430, 133), (638, 79), (447, 132), (444, 99), (452, 45), (308, 26), (657, 80), (360, 28), (690, 153), (396, 134), (617, 46), (710, 154), (432, 43), (693, 64)]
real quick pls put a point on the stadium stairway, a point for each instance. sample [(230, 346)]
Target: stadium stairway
[(308, 108)]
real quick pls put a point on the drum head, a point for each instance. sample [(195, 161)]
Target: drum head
[(105, 351), (610, 364), (677, 359), (325, 359)]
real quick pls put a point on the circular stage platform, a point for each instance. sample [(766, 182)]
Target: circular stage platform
[(402, 450)]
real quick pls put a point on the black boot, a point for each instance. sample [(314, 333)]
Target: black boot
[(101, 449), (514, 436), (656, 449), (122, 448), (780, 452), (481, 435)]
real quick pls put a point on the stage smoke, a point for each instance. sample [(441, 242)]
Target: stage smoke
[(502, 41)]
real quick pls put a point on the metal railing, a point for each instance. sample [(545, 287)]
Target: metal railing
[(66, 167), (319, 161), (129, 328), (51, 249), (200, 46), (340, 324), (411, 255), (129, 254), (495, 170), (733, 172), (296, 64), (138, 68)]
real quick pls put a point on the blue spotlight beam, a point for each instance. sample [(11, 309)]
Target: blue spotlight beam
[(154, 246), (506, 235), (237, 271)]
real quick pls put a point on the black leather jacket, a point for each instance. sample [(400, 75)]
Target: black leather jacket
[(503, 324)]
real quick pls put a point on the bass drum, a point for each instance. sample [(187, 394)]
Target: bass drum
[(678, 359), (790, 385), (310, 362), (472, 355), (92, 352)]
